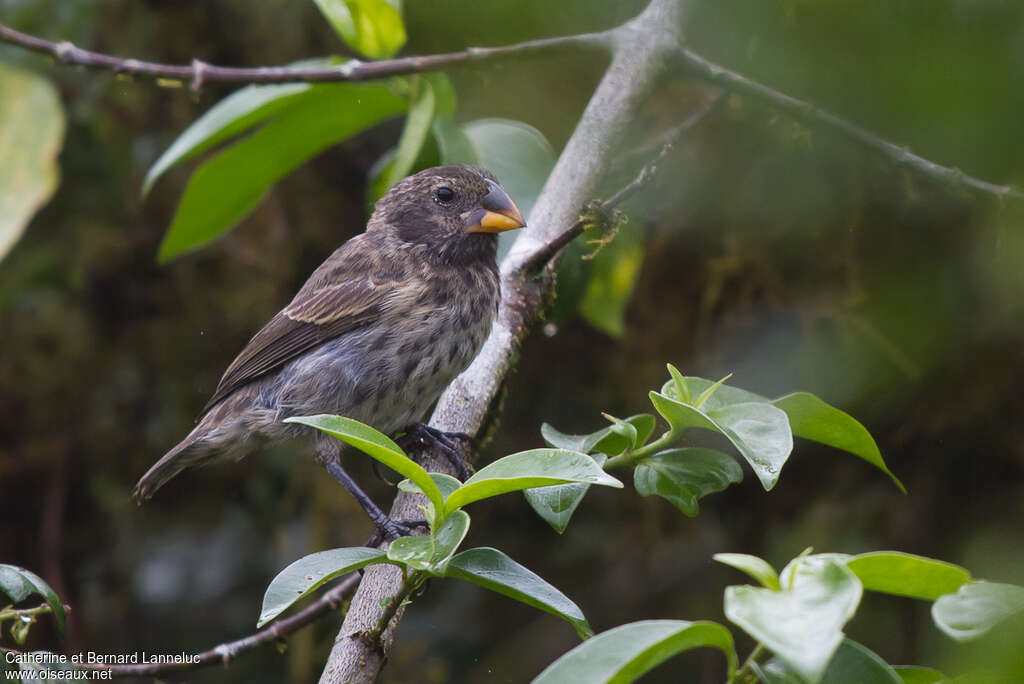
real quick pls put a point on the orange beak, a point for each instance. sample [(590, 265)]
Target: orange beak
[(496, 213)]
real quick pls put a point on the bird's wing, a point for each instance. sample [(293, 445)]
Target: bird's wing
[(343, 294)]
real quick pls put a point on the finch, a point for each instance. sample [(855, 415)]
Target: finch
[(375, 334)]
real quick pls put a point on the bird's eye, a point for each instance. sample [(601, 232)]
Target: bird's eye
[(444, 194)]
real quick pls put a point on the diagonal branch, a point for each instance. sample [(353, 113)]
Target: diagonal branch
[(199, 73), (642, 47), (804, 111), (224, 653)]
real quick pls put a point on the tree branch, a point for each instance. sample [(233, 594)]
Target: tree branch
[(641, 47), (808, 113), (224, 653), (199, 73), (540, 258)]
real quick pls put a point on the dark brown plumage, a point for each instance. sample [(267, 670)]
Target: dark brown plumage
[(375, 333)]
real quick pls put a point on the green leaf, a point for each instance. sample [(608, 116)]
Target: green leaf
[(700, 401), (644, 424), (371, 27), (813, 419), (809, 418), (613, 275), (309, 573), (557, 503), (446, 483), (683, 476), (853, 663), (31, 133), (235, 114), (623, 429), (626, 653), (225, 188), (758, 568), (760, 432), (911, 674), (377, 445), (904, 574), (976, 608), (803, 623), (679, 386), (493, 570), (725, 395), (517, 153), (432, 553), (417, 125), (19, 583), (527, 469)]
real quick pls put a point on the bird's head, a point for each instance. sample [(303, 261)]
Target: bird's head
[(455, 211)]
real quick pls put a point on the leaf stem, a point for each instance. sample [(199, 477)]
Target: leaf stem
[(746, 675), (11, 613), (630, 456)]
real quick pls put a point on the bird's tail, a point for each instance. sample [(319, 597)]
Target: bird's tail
[(187, 452)]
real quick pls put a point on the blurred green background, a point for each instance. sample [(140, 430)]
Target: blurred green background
[(765, 248)]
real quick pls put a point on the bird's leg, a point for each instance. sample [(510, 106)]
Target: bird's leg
[(328, 455), (419, 435)]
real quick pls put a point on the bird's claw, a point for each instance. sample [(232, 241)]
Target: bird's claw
[(389, 529), (418, 436)]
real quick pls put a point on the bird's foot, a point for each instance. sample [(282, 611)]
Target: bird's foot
[(419, 436), (389, 529)]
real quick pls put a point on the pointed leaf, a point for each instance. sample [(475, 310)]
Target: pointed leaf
[(417, 125), (624, 654), (622, 429), (976, 608), (725, 395), (527, 469), (432, 553), (803, 623), (493, 570), (372, 27), (700, 400), (904, 574), (557, 503), (309, 573), (760, 432), (19, 583), (758, 568), (31, 133), (683, 476), (811, 418), (680, 390), (225, 188), (235, 114), (377, 445)]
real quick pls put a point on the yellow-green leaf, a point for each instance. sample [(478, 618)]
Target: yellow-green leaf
[(31, 132)]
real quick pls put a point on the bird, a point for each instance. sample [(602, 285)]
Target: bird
[(375, 334)]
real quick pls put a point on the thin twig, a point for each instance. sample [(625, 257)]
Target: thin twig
[(543, 255), (809, 113), (200, 73), (372, 637), (224, 653)]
